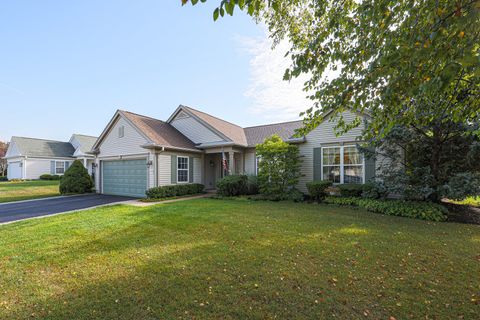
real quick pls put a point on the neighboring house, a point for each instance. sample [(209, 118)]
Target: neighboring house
[(29, 158), (136, 152)]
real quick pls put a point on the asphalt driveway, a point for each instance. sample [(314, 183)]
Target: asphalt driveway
[(42, 207)]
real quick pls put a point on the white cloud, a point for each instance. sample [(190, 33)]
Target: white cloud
[(273, 99)]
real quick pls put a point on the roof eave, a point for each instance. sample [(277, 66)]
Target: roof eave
[(163, 147)]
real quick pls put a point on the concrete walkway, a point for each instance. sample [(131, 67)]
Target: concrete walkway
[(138, 203)]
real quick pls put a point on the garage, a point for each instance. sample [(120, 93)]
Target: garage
[(125, 177), (14, 170)]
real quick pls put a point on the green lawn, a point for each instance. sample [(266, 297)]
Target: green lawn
[(233, 259), (25, 190)]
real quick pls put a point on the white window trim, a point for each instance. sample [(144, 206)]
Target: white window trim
[(257, 162), (64, 168), (188, 169), (342, 164)]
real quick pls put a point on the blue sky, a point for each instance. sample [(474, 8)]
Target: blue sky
[(66, 66)]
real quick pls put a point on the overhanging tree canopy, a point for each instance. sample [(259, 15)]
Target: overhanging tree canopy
[(405, 62)]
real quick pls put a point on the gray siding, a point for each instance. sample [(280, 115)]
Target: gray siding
[(194, 130), (164, 168), (250, 161), (197, 170), (129, 144), (323, 134), (165, 174)]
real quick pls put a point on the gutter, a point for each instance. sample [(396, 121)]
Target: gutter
[(163, 148), (296, 140)]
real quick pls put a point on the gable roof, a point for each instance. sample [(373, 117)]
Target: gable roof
[(159, 132), (258, 134), (32, 147), (227, 129), (86, 142)]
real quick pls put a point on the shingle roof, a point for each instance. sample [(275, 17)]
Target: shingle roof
[(32, 147), (258, 134), (228, 129), (86, 142), (159, 132)]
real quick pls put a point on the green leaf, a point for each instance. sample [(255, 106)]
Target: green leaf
[(215, 14)]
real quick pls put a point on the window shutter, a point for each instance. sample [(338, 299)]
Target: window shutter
[(52, 167), (174, 169), (67, 165), (190, 169), (369, 168), (317, 163)]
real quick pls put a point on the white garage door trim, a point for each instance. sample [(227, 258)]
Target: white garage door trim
[(102, 161)]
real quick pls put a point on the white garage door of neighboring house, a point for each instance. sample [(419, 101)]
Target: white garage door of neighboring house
[(125, 177), (14, 170)]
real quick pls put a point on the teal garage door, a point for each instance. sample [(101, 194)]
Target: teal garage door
[(125, 177)]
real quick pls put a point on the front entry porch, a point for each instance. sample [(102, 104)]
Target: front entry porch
[(215, 169)]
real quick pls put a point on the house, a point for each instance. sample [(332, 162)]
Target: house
[(136, 152), (29, 158)]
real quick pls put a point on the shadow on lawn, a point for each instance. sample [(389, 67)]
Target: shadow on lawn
[(214, 262)]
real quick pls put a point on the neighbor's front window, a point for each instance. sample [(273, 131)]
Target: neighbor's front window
[(182, 169), (342, 164), (59, 167)]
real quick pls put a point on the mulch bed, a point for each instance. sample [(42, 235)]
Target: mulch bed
[(462, 213)]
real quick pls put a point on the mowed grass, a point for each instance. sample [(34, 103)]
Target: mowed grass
[(25, 190), (221, 259)]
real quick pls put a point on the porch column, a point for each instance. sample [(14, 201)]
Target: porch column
[(85, 162), (231, 159)]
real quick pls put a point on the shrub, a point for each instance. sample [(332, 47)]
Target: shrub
[(295, 195), (175, 190), (411, 209), (3, 178), (231, 186), (351, 189), (317, 189), (278, 166), (50, 177), (252, 185), (76, 179), (375, 190)]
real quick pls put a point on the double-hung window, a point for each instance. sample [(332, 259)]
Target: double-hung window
[(342, 164), (182, 169), (59, 167)]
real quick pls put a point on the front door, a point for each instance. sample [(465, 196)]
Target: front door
[(213, 170)]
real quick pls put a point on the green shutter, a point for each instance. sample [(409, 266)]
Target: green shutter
[(52, 167), (317, 163), (174, 169), (190, 169), (370, 167)]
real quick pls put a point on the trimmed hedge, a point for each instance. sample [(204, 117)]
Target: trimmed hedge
[(411, 209), (317, 189), (175, 190), (237, 185), (50, 177), (351, 189)]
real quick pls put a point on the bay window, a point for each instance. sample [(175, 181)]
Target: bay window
[(342, 164)]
